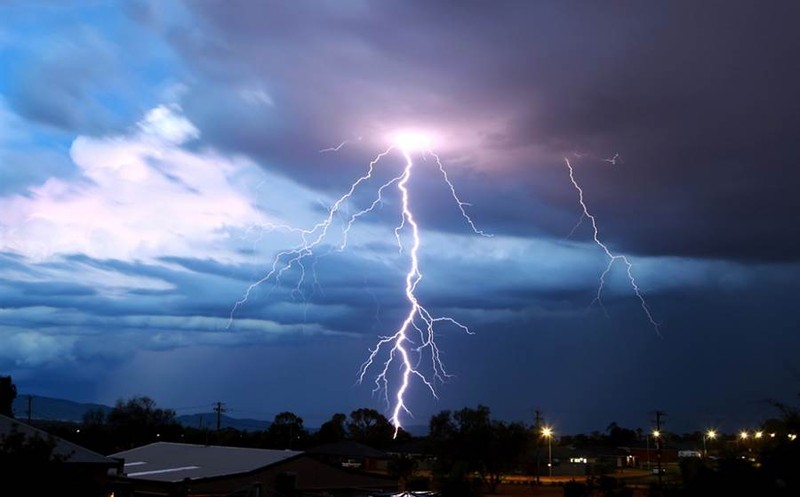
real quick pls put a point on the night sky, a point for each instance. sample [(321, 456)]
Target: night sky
[(155, 158)]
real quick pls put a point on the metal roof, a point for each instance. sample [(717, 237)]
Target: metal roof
[(71, 452), (174, 462)]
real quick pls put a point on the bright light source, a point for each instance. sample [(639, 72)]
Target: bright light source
[(711, 434), (759, 434), (412, 140), (743, 435), (656, 433), (547, 432)]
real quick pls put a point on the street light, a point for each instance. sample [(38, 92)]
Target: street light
[(656, 436), (743, 436), (708, 435), (547, 433)]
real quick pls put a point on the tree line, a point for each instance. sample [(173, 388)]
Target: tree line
[(468, 451)]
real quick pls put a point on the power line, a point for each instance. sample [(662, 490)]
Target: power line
[(219, 410)]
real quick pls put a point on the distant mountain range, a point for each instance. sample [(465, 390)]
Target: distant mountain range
[(52, 409), (209, 420)]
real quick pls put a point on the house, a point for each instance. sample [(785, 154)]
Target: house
[(580, 461), (176, 469), (649, 455), (40, 463), (351, 454), (417, 449)]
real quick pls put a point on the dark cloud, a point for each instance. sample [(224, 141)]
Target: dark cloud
[(59, 86), (698, 99)]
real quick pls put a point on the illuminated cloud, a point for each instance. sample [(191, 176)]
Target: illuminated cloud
[(138, 196)]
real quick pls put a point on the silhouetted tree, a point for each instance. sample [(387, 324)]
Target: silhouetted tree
[(286, 431), (370, 427), (332, 430), (29, 465), (780, 459), (468, 441), (93, 432), (8, 392), (620, 437), (138, 421), (94, 417)]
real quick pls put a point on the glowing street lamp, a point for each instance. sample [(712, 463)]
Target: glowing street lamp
[(656, 435), (547, 433), (708, 435)]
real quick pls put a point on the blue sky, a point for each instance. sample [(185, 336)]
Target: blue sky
[(156, 157)]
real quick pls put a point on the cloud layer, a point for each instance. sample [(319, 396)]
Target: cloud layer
[(155, 157)]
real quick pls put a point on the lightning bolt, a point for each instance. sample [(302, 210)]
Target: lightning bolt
[(613, 160), (311, 238), (338, 147), (413, 344), (415, 338), (612, 257)]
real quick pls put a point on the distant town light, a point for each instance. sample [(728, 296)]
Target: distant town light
[(743, 435)]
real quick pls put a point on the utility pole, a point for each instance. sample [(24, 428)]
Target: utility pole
[(219, 410), (658, 446), (537, 428)]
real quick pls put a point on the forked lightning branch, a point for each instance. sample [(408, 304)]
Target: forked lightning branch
[(413, 343)]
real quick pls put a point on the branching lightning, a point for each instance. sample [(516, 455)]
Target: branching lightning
[(419, 323), (411, 349), (612, 257), (338, 147), (613, 160)]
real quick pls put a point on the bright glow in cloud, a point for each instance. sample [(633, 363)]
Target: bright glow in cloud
[(413, 140)]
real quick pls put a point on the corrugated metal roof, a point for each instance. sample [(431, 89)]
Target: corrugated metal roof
[(71, 452), (174, 462)]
